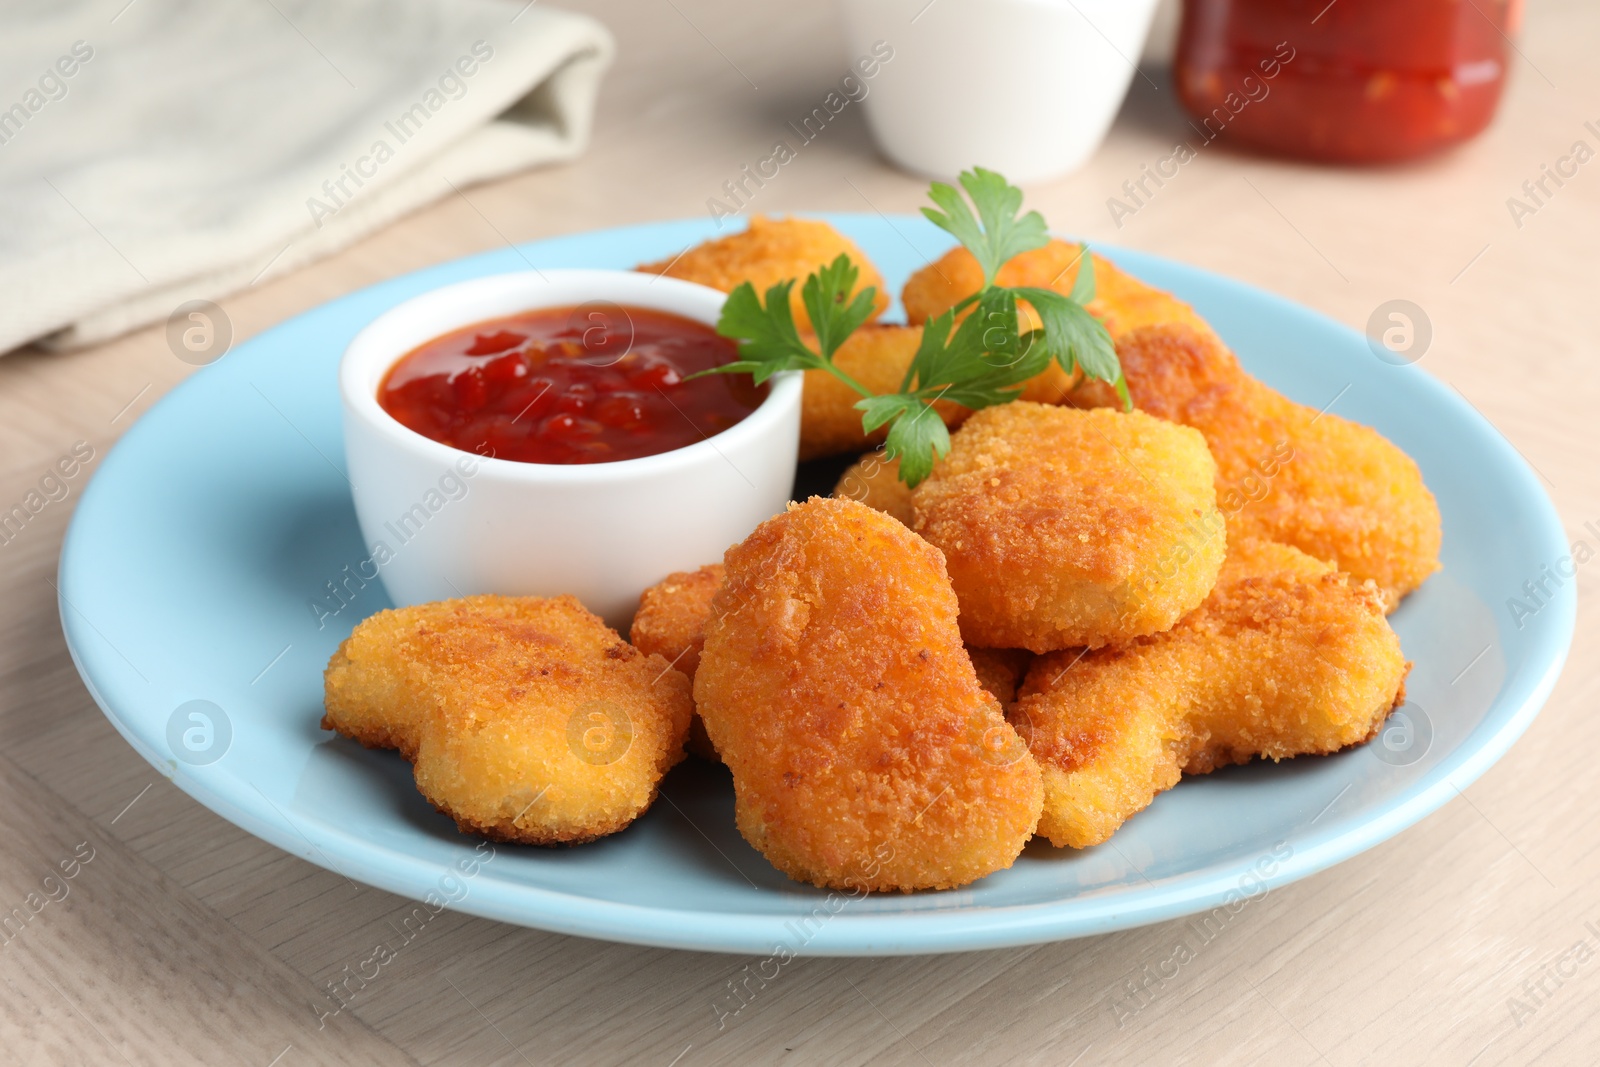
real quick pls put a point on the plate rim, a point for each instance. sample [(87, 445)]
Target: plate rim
[(966, 927)]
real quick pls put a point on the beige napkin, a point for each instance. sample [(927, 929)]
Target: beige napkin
[(175, 150)]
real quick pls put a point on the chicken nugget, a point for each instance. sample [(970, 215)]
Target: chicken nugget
[(876, 356), (874, 480), (1064, 528), (528, 719), (1286, 472), (368, 695), (671, 623), (865, 756), (1286, 657), (1122, 302), (770, 251), (672, 616)]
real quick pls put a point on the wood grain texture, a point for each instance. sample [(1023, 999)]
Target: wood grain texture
[(187, 940)]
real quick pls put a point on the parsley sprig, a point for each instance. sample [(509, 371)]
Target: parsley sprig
[(981, 361)]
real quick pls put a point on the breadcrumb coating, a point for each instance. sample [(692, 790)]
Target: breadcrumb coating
[(1286, 472), (1063, 528), (865, 756), (672, 616), (671, 623), (874, 480), (1286, 657), (527, 719), (368, 695), (770, 251)]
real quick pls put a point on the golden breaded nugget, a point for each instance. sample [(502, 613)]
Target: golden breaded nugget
[(671, 623), (1064, 528), (531, 720), (876, 356), (874, 480), (1000, 671), (768, 252), (1122, 302), (1334, 489), (834, 684), (1286, 657), (672, 616), (368, 695)]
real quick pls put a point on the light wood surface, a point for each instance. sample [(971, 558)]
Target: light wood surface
[(186, 940)]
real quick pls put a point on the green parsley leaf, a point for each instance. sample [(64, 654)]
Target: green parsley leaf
[(877, 410), (768, 339), (983, 364), (917, 439), (1083, 284), (770, 342), (1075, 338), (824, 295), (996, 234), (943, 354)]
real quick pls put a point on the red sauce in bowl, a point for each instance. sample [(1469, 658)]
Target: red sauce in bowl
[(588, 384)]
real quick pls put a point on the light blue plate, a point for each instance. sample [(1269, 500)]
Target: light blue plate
[(191, 563)]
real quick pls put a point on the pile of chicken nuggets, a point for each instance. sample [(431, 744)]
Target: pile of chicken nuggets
[(1078, 607)]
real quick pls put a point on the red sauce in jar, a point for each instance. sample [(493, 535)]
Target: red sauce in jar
[(1353, 81), (588, 384)]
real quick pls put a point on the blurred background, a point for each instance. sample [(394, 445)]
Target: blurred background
[(197, 160), (176, 152)]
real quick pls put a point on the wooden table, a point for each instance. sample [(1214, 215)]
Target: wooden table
[(185, 939)]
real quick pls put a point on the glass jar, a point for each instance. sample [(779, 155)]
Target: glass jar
[(1351, 81)]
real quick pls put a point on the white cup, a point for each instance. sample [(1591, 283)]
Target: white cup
[(1024, 87), (451, 523)]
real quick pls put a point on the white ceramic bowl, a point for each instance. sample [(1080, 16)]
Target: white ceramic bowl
[(439, 522), (1024, 87)]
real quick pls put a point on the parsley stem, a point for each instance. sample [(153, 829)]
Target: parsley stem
[(831, 367)]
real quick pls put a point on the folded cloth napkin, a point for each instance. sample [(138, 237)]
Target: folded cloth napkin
[(183, 149)]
